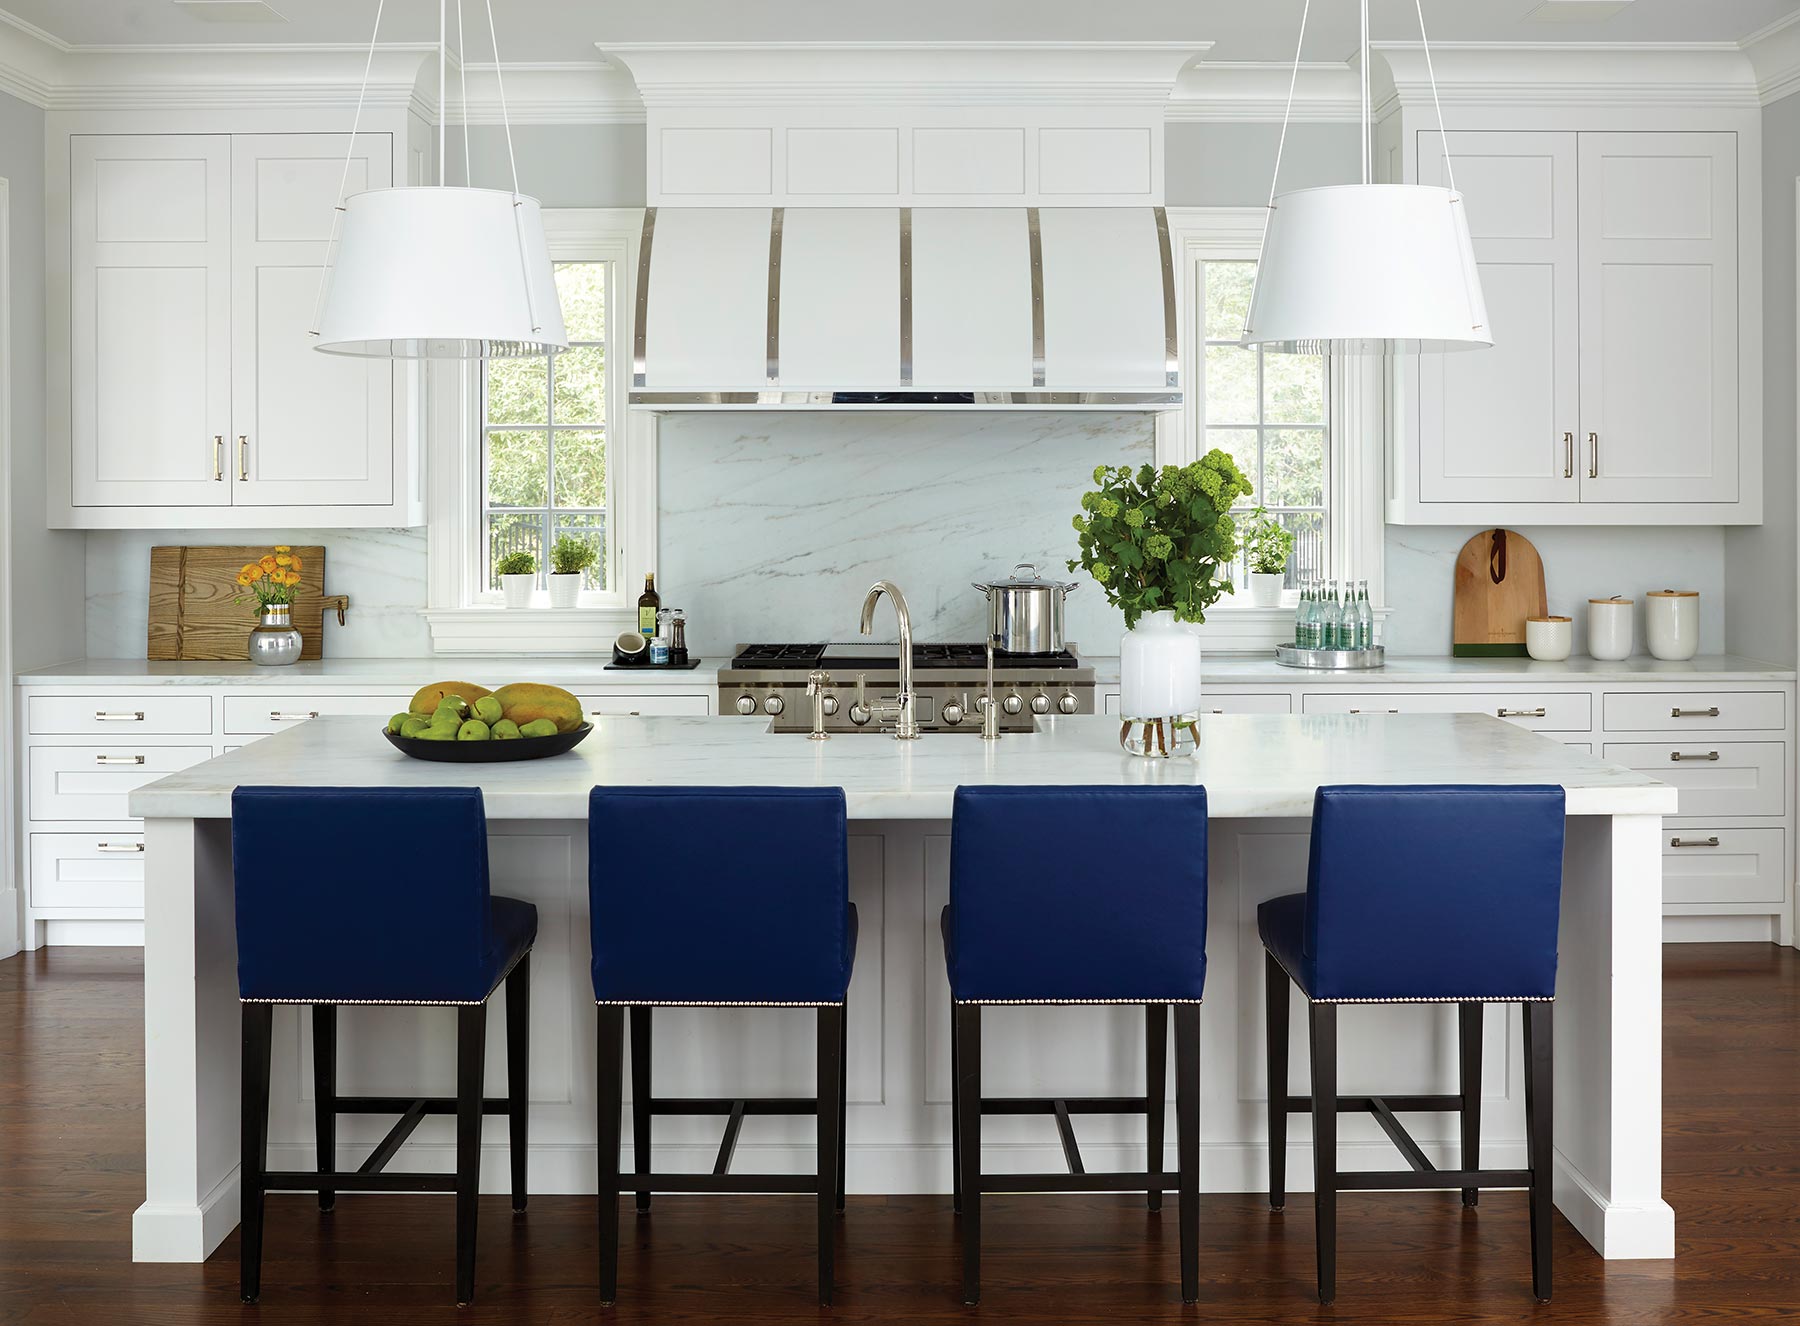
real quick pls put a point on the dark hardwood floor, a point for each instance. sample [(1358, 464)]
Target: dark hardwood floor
[(71, 1159)]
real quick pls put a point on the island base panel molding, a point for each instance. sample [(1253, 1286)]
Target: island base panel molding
[(1608, 1054)]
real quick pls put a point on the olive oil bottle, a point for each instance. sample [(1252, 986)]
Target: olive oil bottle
[(649, 602)]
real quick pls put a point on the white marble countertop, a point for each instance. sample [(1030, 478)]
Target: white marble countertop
[(1253, 766), (1251, 669)]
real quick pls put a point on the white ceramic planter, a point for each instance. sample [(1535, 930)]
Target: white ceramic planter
[(1672, 623), (1159, 669), (518, 589), (565, 591), (1609, 629), (1265, 588)]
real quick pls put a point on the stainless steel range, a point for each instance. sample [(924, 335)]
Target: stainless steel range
[(948, 683)]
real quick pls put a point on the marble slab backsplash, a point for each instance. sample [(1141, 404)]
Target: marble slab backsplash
[(774, 527), (382, 570)]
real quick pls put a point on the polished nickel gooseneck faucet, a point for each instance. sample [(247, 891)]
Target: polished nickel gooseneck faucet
[(901, 708)]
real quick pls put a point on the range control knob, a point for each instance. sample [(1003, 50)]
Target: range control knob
[(951, 713), (860, 714), (746, 705), (1013, 703), (830, 705), (1067, 703), (773, 705), (1040, 703)]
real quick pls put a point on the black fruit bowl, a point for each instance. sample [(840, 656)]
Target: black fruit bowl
[(490, 751)]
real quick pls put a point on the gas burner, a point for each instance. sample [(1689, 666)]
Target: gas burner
[(872, 654), (777, 656)]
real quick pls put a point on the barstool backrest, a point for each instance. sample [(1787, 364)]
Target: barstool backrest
[(348, 894), (1078, 894), (1434, 892), (719, 895)]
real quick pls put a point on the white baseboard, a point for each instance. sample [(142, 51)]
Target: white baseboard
[(10, 923), (166, 1233), (1731, 929), (93, 934)]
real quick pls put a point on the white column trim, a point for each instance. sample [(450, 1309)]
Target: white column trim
[(12, 865)]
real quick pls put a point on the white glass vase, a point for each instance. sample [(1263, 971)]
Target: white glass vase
[(1159, 686)]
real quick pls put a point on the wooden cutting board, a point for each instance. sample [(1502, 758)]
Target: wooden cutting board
[(1499, 583), (192, 615)]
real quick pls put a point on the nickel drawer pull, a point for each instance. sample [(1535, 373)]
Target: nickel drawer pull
[(276, 716), (218, 458), (1695, 713), (1695, 842), (118, 759), (118, 847), (1677, 756), (1374, 711), (1593, 455), (243, 458), (102, 716), (1568, 455), (1539, 712)]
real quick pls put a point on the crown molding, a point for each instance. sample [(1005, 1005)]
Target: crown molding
[(1774, 54), (562, 93), (1237, 92), (1716, 75)]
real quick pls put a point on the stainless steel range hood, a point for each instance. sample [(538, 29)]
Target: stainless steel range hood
[(743, 308)]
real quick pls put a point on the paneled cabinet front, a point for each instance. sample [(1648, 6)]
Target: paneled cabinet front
[(194, 386)]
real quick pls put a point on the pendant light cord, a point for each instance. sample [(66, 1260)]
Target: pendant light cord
[(337, 215), (1287, 113), (513, 161), (1430, 73), (1368, 128), (462, 68)]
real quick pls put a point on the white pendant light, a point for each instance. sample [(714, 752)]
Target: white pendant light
[(1367, 268), (439, 272)]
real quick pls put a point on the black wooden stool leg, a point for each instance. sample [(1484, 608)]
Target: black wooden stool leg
[(968, 1113), (829, 1090), (1323, 1019), (518, 1075), (843, 1154), (1275, 1017), (1187, 1141), (1468, 1041), (471, 1052), (1156, 1088), (1540, 1110), (956, 1177), (258, 1032), (609, 1056), (324, 1020), (640, 1097)]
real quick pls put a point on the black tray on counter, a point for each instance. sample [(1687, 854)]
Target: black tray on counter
[(490, 751), (688, 666)]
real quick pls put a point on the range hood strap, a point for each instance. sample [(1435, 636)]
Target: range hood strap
[(776, 215), (906, 330), (1037, 297), (641, 324), (1171, 347)]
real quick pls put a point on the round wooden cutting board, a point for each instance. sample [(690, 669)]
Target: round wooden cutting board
[(1499, 583)]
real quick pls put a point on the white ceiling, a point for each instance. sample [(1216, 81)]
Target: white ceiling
[(567, 30)]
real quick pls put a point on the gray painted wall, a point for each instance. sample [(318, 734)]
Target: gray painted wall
[(1760, 602), (564, 165), (1229, 165)]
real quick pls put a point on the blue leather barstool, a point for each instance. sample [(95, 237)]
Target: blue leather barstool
[(1428, 895), (1049, 904), (748, 905), (401, 916)]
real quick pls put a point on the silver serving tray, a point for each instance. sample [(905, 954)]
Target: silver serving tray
[(1336, 660)]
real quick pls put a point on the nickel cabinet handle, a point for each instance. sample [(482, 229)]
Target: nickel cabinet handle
[(1374, 711), (1593, 455), (118, 759), (1695, 713), (1568, 455), (1679, 756), (1695, 842), (134, 716), (1539, 712), (118, 847), (276, 716), (243, 458), (218, 458)]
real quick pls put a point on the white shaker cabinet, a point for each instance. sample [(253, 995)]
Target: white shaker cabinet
[(1615, 392), (194, 394)]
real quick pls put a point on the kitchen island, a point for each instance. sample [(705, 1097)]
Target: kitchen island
[(1260, 773)]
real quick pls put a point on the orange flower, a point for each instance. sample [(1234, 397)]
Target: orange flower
[(282, 559), (243, 578), (293, 578), (295, 563), (250, 569), (267, 564), (282, 547)]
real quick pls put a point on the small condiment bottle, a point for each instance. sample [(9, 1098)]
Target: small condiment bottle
[(678, 650)]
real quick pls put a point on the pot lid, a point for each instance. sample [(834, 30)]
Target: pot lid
[(1025, 576)]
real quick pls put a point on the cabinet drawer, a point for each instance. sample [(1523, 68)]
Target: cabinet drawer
[(245, 714), (1695, 711), (96, 782), (1216, 703), (614, 705), (1724, 865), (119, 717), (104, 870), (1715, 777), (1542, 711)]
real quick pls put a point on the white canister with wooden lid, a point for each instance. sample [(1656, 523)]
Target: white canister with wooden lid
[(1672, 623), (1549, 639), (1609, 628)]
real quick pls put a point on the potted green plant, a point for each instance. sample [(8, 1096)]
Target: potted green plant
[(1267, 546), (1160, 543), (570, 557), (518, 577)]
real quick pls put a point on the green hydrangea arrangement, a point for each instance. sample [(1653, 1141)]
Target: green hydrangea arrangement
[(1162, 539)]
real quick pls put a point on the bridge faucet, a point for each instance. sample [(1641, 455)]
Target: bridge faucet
[(902, 707)]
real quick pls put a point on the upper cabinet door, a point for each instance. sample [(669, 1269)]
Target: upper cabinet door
[(150, 319), (308, 429), (1496, 425), (1659, 317)]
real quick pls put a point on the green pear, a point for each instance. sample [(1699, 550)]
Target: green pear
[(505, 730), (414, 727), (437, 732), (473, 730), (539, 727), (488, 710), (453, 705), (397, 722)]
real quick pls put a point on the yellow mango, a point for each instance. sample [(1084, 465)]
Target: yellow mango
[(528, 702), (427, 698)]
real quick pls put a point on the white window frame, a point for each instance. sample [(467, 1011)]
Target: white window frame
[(1355, 423), (465, 615)]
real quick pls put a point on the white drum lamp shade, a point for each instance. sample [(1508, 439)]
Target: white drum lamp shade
[(1368, 269), (442, 273)]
